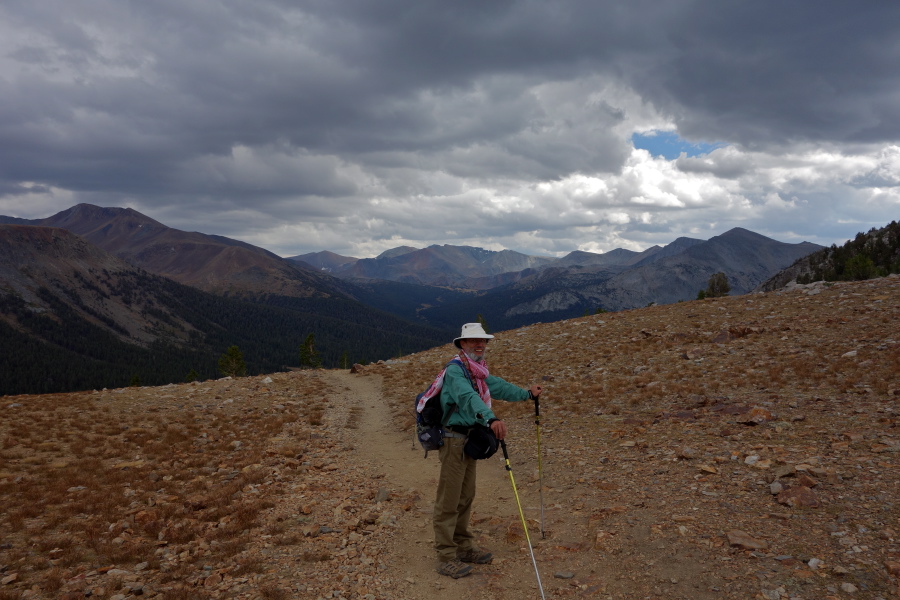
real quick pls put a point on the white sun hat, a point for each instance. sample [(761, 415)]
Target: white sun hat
[(472, 331)]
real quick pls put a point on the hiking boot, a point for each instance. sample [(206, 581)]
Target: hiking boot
[(454, 569), (479, 557)]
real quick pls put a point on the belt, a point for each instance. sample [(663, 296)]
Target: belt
[(459, 429), (451, 434)]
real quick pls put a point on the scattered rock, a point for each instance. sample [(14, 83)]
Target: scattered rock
[(798, 496), (687, 453), (807, 481), (785, 471), (118, 573), (142, 517), (744, 540), (135, 587), (564, 575), (723, 337), (756, 416)]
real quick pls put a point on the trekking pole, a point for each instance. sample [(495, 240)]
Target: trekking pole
[(537, 429), (522, 516)]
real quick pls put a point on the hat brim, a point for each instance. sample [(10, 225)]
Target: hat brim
[(487, 336)]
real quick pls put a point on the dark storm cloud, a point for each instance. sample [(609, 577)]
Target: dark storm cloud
[(309, 111), (765, 73)]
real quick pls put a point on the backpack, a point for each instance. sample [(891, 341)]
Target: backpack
[(431, 421)]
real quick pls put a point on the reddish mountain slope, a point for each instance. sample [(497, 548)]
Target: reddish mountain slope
[(94, 283), (212, 263)]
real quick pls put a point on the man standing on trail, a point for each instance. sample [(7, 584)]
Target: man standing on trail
[(466, 397)]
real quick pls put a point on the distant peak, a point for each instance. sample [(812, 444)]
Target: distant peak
[(740, 232), (399, 251), (90, 209)]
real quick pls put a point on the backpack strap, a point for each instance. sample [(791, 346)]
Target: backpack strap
[(465, 372)]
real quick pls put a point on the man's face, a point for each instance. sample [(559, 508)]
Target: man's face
[(474, 347)]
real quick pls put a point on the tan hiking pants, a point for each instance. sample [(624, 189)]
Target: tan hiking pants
[(453, 505)]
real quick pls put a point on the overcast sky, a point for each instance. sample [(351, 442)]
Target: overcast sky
[(539, 126)]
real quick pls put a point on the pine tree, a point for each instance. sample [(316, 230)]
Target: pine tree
[(232, 364), (309, 356), (717, 286), (481, 320), (859, 267)]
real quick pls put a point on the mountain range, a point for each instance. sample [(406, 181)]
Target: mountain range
[(117, 275), (476, 268), (546, 289), (208, 262)]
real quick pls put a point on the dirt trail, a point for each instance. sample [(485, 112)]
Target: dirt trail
[(392, 453)]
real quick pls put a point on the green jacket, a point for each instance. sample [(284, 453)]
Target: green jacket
[(471, 409)]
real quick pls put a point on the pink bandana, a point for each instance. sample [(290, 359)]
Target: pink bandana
[(479, 372)]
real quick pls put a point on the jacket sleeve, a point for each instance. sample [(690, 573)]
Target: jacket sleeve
[(504, 390), (470, 408)]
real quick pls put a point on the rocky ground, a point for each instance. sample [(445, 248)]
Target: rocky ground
[(744, 447)]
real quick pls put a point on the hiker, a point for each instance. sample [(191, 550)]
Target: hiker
[(456, 486)]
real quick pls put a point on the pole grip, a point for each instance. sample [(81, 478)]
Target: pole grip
[(537, 407), (505, 453)]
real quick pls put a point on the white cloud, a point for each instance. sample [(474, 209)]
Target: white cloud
[(336, 126)]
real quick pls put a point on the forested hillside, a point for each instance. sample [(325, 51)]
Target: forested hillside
[(61, 350), (875, 253), (872, 254), (73, 316)]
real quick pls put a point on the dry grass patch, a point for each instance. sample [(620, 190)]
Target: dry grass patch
[(271, 591), (139, 471), (249, 565)]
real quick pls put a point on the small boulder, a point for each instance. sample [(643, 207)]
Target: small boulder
[(744, 540), (756, 416), (687, 453), (798, 496)]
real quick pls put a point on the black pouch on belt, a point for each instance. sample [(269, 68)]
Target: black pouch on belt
[(481, 442)]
